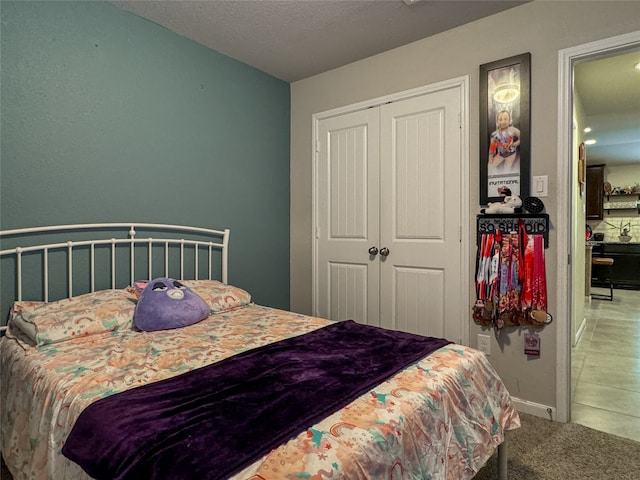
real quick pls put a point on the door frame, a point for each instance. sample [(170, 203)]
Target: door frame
[(462, 84), (565, 229)]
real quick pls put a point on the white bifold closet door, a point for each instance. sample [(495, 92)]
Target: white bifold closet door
[(388, 182)]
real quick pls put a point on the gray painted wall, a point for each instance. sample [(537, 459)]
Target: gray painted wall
[(109, 117)]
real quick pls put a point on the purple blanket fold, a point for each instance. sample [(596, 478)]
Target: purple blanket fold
[(214, 421)]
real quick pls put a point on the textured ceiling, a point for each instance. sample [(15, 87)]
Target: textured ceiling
[(295, 39)]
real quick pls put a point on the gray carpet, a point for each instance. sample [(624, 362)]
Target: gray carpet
[(544, 450)]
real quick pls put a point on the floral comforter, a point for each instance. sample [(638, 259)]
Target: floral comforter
[(440, 418)]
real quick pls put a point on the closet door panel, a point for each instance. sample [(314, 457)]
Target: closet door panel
[(410, 303), (419, 199), (348, 217), (347, 162), (420, 214), (348, 291)]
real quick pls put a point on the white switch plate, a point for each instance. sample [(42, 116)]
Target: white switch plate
[(541, 186), (484, 344)]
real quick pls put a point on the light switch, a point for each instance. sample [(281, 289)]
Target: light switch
[(541, 186)]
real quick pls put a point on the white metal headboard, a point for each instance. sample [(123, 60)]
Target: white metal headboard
[(165, 236)]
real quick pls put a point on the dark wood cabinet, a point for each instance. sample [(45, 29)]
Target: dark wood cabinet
[(595, 192)]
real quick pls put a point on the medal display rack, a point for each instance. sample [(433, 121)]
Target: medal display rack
[(534, 223)]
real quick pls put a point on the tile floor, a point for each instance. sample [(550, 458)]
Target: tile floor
[(606, 366)]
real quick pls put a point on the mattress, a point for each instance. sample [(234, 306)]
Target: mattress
[(441, 417)]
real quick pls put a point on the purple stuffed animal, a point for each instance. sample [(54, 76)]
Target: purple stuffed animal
[(164, 303)]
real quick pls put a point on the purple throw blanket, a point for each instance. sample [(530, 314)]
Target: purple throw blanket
[(214, 421)]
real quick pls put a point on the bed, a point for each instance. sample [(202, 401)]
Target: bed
[(442, 415)]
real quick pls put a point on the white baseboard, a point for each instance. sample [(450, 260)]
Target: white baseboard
[(580, 331), (533, 408)]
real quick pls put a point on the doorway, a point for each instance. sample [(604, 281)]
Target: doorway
[(573, 229)]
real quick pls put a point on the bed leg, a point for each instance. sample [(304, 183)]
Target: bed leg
[(502, 460)]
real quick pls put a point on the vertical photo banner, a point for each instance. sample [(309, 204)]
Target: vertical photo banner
[(504, 128)]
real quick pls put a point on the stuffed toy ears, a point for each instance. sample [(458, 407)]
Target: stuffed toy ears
[(138, 287)]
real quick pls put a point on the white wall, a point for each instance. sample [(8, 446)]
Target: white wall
[(623, 175), (540, 27)]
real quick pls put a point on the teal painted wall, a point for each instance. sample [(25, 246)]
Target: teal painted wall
[(108, 117)]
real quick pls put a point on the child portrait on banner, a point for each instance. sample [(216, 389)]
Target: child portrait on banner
[(503, 164)]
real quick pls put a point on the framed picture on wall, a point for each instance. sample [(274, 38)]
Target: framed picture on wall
[(505, 140), (582, 168)]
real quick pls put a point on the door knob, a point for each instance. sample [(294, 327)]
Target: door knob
[(384, 251), (373, 251)]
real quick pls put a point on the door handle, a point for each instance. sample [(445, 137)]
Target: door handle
[(373, 251), (384, 251)]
